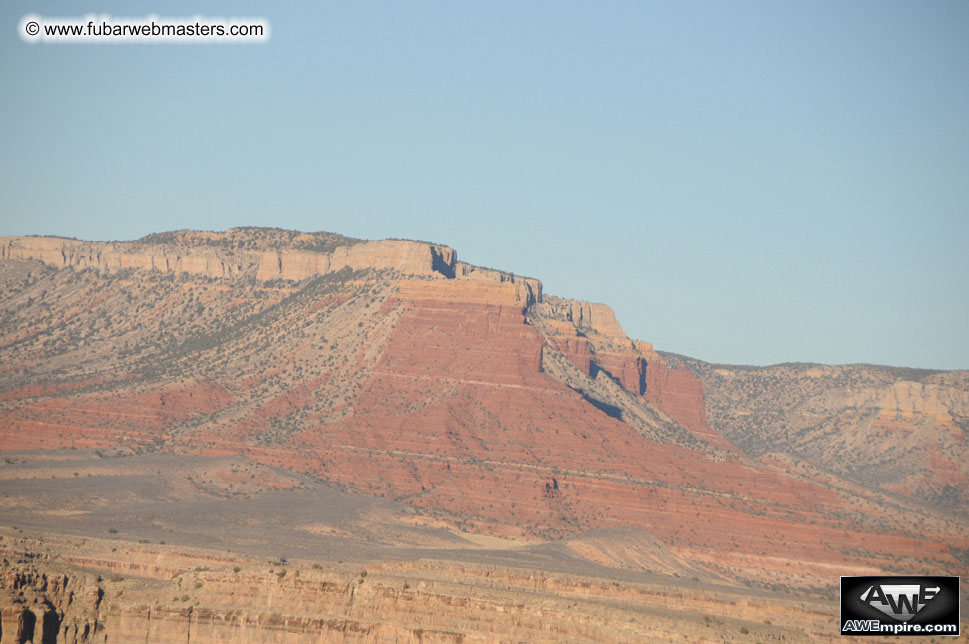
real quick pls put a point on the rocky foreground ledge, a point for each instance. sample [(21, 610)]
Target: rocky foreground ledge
[(96, 591)]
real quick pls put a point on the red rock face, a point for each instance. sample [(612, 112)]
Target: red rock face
[(483, 344), (576, 350), (627, 367), (457, 417), (96, 421), (679, 394)]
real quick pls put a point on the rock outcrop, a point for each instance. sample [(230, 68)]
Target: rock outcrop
[(590, 337), (408, 257), (528, 290), (49, 608), (587, 317)]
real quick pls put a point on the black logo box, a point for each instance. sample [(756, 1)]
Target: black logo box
[(941, 609)]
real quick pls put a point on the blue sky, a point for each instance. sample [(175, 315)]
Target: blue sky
[(745, 182)]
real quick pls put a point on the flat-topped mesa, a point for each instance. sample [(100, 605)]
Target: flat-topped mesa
[(271, 254), (215, 255), (416, 258)]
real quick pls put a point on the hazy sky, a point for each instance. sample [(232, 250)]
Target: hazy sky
[(743, 182)]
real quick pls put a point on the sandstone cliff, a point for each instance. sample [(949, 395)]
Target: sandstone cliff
[(412, 258), (200, 254), (110, 256)]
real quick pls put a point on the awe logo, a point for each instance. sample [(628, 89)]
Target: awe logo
[(900, 606), (901, 601)]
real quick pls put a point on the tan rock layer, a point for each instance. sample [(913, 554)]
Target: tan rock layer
[(414, 258), (115, 256), (527, 290), (587, 316), (408, 257)]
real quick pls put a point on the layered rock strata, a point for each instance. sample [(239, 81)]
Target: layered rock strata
[(408, 257), (460, 391)]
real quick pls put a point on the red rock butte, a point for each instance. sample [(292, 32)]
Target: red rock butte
[(394, 369)]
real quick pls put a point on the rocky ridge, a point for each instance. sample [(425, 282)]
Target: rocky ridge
[(904, 429)]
